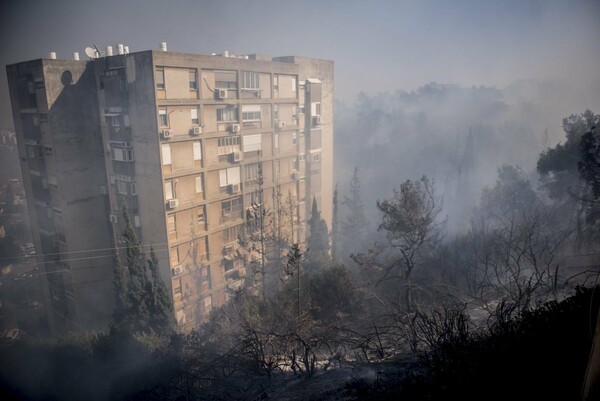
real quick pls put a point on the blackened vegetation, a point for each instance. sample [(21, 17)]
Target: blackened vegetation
[(536, 355)]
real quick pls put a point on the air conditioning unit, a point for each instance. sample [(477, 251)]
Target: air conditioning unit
[(167, 133), (235, 127), (173, 203), (222, 93), (281, 124), (316, 120), (295, 175), (235, 188), (176, 271), (113, 218), (236, 156), (196, 130)]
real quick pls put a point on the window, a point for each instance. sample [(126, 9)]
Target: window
[(276, 112), (207, 301), (225, 80), (276, 141), (159, 77), (171, 225), (231, 206), (193, 80), (231, 234), (294, 138), (251, 113), (227, 113), (122, 154), (114, 121), (315, 108), (228, 145), (136, 221), (134, 189), (162, 117), (34, 152), (177, 286), (122, 188), (168, 190), (174, 256), (316, 157), (275, 83), (252, 143), (197, 150), (126, 121), (229, 176), (200, 216), (205, 274), (36, 120), (251, 171), (250, 80), (199, 186), (166, 154), (294, 84), (194, 115)]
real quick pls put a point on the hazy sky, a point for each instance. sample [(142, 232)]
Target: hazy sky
[(376, 45)]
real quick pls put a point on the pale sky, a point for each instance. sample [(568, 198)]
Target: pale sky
[(376, 45)]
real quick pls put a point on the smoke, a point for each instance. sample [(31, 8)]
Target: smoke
[(456, 135)]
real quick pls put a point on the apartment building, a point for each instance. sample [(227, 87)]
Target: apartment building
[(189, 144)]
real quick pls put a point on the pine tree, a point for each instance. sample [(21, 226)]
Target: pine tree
[(355, 227)]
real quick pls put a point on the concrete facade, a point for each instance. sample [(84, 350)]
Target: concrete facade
[(177, 139)]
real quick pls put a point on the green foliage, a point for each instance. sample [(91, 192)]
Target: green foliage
[(589, 164), (332, 293), (558, 166), (142, 303), (161, 310), (120, 288)]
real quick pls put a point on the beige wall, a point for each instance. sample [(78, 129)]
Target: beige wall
[(177, 84)]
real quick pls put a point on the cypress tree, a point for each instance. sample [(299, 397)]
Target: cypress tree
[(137, 285), (161, 316), (318, 240), (355, 227), (120, 287)]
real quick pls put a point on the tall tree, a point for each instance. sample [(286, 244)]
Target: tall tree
[(334, 226), (138, 297), (558, 169), (121, 310), (412, 229), (318, 240), (160, 308), (589, 171), (355, 227)]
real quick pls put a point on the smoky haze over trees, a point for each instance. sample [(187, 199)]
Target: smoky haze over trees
[(456, 135)]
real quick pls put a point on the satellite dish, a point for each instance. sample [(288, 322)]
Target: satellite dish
[(91, 52)]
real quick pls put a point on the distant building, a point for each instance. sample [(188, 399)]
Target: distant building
[(179, 139)]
